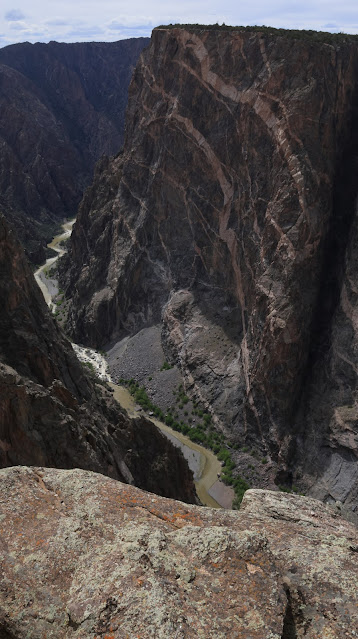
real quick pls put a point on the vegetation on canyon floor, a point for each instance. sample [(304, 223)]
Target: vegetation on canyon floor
[(202, 433)]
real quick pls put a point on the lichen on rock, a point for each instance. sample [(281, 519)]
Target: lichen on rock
[(83, 555)]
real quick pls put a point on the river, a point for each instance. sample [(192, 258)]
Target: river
[(205, 466), (48, 284)]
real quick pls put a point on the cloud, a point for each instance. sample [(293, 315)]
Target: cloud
[(132, 21), (83, 32), (140, 27), (331, 27), (18, 26), (58, 22), (115, 26), (14, 15)]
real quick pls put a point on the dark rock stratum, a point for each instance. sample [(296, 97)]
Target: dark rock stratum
[(62, 106)]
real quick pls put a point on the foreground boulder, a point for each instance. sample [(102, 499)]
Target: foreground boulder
[(84, 556)]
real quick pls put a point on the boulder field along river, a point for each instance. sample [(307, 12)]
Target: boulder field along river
[(52, 412), (230, 219)]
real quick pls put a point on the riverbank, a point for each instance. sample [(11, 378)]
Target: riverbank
[(142, 358), (205, 466)]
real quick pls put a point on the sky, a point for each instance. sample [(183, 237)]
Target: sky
[(110, 20)]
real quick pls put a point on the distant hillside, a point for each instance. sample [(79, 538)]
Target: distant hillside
[(62, 106)]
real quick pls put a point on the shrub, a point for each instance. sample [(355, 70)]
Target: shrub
[(166, 366), (224, 455), (196, 436), (240, 487), (227, 478)]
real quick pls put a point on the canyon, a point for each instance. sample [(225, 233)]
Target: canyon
[(204, 465), (52, 412), (213, 259), (229, 220), (62, 107)]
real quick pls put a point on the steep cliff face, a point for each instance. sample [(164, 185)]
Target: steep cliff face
[(229, 222), (62, 106), (327, 419), (84, 556), (52, 413)]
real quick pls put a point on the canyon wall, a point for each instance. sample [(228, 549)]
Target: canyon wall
[(52, 412), (227, 218), (62, 106), (85, 556)]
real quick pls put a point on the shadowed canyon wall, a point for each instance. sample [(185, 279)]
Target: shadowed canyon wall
[(62, 106), (230, 217), (52, 412)]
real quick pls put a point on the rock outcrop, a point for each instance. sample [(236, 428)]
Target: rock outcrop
[(227, 217), (62, 106), (84, 556), (52, 413)]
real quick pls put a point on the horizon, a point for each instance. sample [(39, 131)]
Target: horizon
[(254, 27), (88, 22)]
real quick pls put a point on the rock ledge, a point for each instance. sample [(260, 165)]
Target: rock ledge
[(84, 556)]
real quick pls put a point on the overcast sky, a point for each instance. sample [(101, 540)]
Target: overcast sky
[(109, 20)]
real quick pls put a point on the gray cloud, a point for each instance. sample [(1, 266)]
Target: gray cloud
[(17, 26), (58, 22), (14, 15), (115, 26), (85, 31)]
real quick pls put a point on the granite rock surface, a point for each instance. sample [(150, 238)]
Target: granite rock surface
[(83, 555)]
